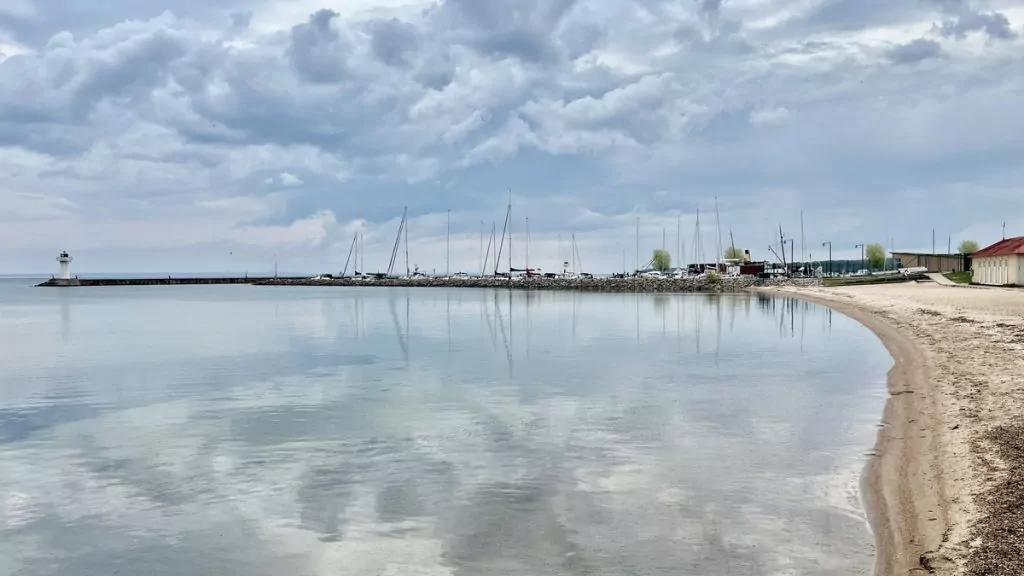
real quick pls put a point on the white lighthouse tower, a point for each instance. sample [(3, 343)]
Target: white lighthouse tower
[(65, 262)]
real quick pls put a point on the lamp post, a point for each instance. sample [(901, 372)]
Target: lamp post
[(829, 255), (861, 246)]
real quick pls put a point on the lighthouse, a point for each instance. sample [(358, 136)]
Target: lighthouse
[(65, 262)]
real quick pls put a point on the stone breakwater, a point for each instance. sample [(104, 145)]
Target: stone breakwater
[(580, 285)]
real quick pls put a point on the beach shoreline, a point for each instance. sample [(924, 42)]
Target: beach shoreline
[(899, 473), (939, 492)]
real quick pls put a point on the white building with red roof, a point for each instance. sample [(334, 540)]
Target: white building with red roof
[(1001, 264)]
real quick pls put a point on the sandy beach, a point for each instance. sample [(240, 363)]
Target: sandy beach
[(944, 492)]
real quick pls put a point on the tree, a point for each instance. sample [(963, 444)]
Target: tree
[(876, 256), (733, 253), (967, 247), (661, 260)]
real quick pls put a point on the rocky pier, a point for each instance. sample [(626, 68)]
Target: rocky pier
[(724, 284)]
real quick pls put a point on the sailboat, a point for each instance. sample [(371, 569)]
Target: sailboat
[(527, 272)]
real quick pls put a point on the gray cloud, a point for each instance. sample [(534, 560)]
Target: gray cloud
[(857, 14), (393, 41), (436, 72), (915, 51), (994, 24), (607, 107), (525, 30), (54, 16), (317, 50), (710, 6), (240, 20)]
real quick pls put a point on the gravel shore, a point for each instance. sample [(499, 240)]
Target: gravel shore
[(945, 493)]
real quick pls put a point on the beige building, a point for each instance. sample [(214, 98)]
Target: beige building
[(933, 262), (1001, 264)]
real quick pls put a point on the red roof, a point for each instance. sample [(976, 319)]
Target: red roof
[(1002, 248)]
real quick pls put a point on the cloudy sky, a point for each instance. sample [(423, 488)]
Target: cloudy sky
[(212, 135)]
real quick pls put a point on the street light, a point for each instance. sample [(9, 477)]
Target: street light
[(861, 246), (829, 255)]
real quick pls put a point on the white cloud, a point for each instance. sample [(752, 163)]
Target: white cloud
[(289, 179), (768, 116)]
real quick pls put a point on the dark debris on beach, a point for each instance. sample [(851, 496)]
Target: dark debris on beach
[(998, 538)]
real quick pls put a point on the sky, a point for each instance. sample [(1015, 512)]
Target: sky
[(221, 135)]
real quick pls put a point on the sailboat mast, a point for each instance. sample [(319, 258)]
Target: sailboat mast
[(679, 240), (803, 245), (637, 243), (350, 249), (527, 246), (448, 247), (698, 243), (510, 233), (501, 246), (486, 257), (398, 243), (718, 226), (407, 248), (576, 252)]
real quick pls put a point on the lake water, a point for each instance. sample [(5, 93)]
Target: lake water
[(239, 430)]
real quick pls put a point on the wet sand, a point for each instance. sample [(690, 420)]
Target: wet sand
[(944, 493)]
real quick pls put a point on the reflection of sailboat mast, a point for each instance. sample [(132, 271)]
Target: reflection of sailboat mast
[(398, 330), (803, 326), (574, 316), (700, 314), (526, 296), (501, 327), (636, 298), (490, 326), (718, 327), (511, 319), (679, 329), (792, 318)]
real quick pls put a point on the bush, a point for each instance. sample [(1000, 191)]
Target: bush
[(713, 278)]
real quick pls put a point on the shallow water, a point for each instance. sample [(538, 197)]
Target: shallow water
[(306, 431)]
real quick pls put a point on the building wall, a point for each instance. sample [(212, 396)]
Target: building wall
[(999, 270), (933, 262)]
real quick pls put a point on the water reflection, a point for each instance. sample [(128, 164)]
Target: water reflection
[(468, 432)]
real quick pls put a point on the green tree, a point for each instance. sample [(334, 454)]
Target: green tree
[(733, 253), (876, 256), (661, 260), (967, 247)]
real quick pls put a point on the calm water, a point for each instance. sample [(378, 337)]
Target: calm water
[(301, 431)]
